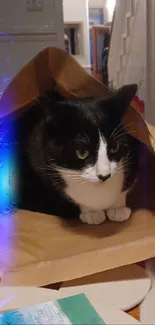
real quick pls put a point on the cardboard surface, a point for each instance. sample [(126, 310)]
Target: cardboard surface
[(44, 249), (38, 249)]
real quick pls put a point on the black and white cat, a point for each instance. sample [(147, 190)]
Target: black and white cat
[(76, 157)]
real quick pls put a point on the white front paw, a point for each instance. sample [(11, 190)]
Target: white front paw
[(93, 217), (119, 214)]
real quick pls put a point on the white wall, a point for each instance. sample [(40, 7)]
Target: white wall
[(97, 3), (109, 10), (150, 62), (16, 15), (77, 12), (26, 33), (127, 56), (107, 6)]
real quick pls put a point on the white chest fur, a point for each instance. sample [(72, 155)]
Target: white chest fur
[(85, 188), (94, 195)]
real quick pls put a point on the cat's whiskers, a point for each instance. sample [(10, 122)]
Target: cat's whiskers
[(77, 179), (126, 145), (84, 181), (68, 172), (47, 167), (126, 162), (72, 174), (128, 157), (51, 167), (41, 168), (121, 168), (80, 180), (120, 172), (114, 133), (120, 135), (86, 137), (82, 139)]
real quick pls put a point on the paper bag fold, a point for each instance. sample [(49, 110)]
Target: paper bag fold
[(53, 69)]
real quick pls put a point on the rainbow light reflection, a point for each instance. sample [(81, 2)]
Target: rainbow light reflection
[(7, 166)]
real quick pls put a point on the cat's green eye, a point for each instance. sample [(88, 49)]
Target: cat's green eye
[(82, 154)]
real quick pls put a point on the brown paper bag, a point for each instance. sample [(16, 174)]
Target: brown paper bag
[(44, 249)]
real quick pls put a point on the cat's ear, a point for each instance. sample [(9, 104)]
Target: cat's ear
[(125, 94), (122, 99), (116, 105)]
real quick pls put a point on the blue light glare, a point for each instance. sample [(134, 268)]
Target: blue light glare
[(7, 164), (7, 204), (5, 80)]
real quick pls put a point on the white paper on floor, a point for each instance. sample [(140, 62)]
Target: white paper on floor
[(147, 308), (23, 297), (122, 288)]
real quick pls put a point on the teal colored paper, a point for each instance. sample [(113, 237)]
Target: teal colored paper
[(80, 311), (72, 310)]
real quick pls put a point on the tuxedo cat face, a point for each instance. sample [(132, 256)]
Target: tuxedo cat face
[(86, 139), (81, 146)]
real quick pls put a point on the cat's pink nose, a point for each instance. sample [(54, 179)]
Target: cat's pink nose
[(103, 178)]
